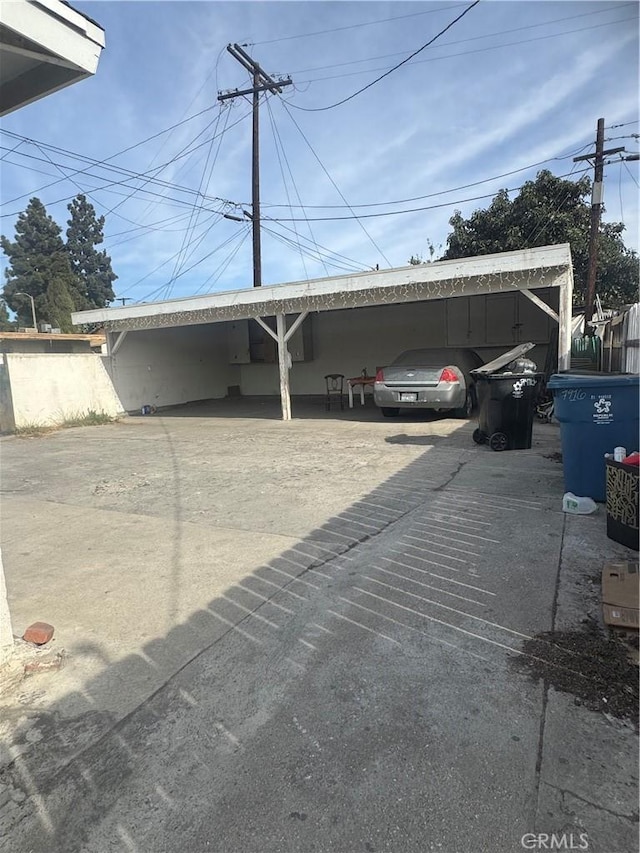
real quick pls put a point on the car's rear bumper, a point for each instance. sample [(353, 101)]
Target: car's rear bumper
[(443, 396)]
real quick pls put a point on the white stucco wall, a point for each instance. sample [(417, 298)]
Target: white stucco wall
[(49, 388), (165, 367)]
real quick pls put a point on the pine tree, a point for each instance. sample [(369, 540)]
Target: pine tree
[(91, 268), (6, 325), (58, 299), (36, 246)]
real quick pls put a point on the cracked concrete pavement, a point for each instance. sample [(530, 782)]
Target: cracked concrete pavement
[(297, 637)]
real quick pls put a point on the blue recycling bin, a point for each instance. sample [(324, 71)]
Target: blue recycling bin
[(597, 412)]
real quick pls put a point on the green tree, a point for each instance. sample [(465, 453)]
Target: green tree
[(550, 210), (6, 325), (92, 269), (36, 246), (58, 299)]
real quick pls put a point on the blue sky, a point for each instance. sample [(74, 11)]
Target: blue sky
[(511, 84)]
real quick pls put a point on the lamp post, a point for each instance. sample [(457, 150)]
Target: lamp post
[(33, 308)]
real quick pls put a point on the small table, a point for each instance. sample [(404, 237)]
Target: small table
[(362, 381)]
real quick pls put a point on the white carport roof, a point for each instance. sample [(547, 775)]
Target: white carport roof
[(546, 266), (45, 45), (523, 271)]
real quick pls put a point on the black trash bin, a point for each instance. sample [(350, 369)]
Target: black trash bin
[(507, 405)]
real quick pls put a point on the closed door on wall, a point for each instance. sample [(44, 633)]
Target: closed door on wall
[(512, 318)]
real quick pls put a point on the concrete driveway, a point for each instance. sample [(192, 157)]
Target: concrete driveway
[(299, 636)]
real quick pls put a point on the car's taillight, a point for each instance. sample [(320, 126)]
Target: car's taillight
[(449, 375), (380, 375)]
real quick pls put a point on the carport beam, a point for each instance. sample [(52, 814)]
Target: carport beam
[(114, 345), (539, 302)]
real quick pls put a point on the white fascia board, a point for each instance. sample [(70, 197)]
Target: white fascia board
[(482, 268), (56, 28)]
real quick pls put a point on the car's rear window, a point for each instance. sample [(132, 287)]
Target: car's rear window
[(431, 357)]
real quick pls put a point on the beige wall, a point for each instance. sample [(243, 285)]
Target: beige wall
[(350, 340), (165, 367), (48, 389)]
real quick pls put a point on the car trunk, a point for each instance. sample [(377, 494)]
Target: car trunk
[(405, 376)]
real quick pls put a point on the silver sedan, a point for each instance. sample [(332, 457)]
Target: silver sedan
[(437, 379)]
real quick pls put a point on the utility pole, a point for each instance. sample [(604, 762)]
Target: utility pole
[(262, 82), (597, 197)]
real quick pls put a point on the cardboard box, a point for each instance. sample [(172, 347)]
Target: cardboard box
[(620, 594)]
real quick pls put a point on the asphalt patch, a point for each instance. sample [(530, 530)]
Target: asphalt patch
[(588, 664)]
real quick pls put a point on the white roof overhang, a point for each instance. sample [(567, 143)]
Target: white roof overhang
[(45, 45), (546, 266)]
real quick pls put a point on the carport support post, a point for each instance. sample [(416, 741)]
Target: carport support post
[(284, 362), (564, 325)]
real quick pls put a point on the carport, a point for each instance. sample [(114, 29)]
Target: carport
[(280, 312)]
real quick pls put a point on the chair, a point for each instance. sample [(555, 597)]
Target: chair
[(335, 389)]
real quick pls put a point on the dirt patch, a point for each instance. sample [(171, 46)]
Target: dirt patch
[(588, 664), (554, 457)]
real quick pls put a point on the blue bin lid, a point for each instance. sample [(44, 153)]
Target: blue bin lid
[(586, 380)]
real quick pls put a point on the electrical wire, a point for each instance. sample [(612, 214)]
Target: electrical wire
[(466, 52), (286, 190), (473, 38), (408, 210), (132, 176), (331, 253), (631, 174), (314, 255), (324, 169), (278, 140), (434, 194), (391, 70), (196, 211), (215, 275), (354, 26), (168, 260)]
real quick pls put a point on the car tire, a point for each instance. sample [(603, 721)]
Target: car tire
[(465, 412), (389, 412)]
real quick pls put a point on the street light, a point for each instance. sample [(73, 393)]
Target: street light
[(33, 307)]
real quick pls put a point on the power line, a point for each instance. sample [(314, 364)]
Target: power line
[(315, 254), (356, 26), (195, 213), (440, 192), (469, 52), (284, 154), (131, 175), (478, 38), (631, 175), (624, 124), (408, 210), (324, 169), (391, 70), (286, 190)]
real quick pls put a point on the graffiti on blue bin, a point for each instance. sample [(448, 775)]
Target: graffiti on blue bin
[(573, 394)]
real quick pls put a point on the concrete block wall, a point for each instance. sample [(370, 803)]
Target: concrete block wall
[(166, 367), (46, 389)]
